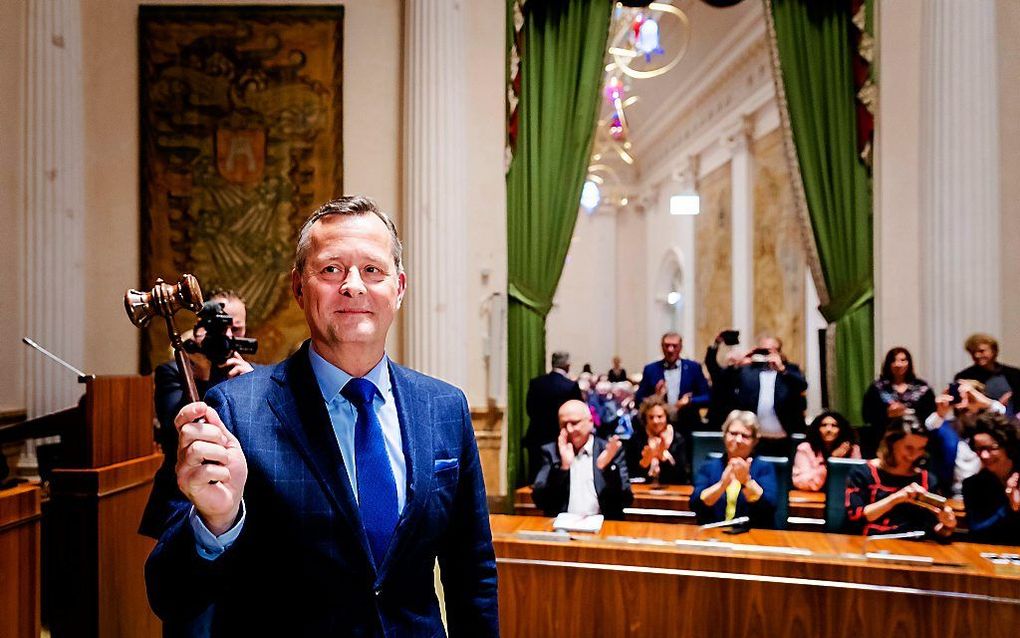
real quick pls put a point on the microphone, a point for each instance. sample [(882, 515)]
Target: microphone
[(733, 522), (877, 537), (82, 377)]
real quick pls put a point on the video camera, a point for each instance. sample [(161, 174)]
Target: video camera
[(216, 345)]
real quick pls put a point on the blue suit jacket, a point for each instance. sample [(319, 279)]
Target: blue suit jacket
[(692, 380), (301, 565), (762, 512)]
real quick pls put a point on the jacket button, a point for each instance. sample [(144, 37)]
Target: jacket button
[(377, 591)]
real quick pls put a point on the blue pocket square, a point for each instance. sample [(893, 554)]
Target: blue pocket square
[(440, 465)]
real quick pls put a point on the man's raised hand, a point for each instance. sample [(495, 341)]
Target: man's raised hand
[(211, 468)]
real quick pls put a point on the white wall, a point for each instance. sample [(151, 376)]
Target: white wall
[(485, 185), (582, 320), (1008, 19), (12, 275)]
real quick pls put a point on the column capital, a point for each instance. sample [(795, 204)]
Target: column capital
[(737, 133)]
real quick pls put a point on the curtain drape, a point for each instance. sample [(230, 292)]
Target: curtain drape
[(561, 56), (814, 49)]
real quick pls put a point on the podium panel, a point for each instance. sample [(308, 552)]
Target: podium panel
[(20, 512)]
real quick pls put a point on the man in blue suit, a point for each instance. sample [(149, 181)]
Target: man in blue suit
[(324, 488), (681, 383)]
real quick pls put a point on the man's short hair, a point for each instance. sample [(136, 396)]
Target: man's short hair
[(979, 339), (560, 359), (353, 205), (226, 293), (671, 334)]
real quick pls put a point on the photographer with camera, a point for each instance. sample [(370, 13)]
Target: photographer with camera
[(764, 382), (215, 349)]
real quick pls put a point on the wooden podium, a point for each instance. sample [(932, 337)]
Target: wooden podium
[(20, 512), (94, 556)]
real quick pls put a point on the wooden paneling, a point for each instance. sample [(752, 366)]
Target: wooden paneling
[(119, 414), (488, 426), (98, 585), (595, 586), (20, 511), (657, 501)]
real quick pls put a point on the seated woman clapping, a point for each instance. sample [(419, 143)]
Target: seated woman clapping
[(737, 484), (830, 434), (891, 494), (992, 496), (656, 452)]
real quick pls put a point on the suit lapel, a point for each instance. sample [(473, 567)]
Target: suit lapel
[(297, 403), (414, 411), (600, 481)]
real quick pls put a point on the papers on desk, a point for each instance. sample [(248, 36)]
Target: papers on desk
[(578, 522), (740, 547)]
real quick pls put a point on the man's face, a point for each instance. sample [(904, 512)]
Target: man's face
[(349, 288), (575, 418), (769, 343), (671, 346), (238, 315), (983, 355)]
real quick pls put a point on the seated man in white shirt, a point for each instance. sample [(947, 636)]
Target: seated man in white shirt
[(582, 473)]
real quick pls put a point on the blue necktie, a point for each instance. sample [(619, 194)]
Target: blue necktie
[(377, 491)]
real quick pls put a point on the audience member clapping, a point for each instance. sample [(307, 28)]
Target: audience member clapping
[(656, 451), (829, 435), (992, 496), (896, 391), (951, 458), (737, 484), (891, 494)]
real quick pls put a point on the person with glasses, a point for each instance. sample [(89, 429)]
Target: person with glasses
[(736, 484), (892, 494), (992, 496)]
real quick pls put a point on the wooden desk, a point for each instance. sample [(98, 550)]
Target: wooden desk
[(20, 512), (671, 504), (605, 587), (659, 504)]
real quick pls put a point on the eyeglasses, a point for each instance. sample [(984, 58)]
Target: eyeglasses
[(987, 448)]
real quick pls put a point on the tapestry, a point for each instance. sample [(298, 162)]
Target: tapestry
[(240, 120)]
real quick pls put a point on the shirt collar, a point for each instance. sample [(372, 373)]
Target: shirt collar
[(332, 379), (589, 446)]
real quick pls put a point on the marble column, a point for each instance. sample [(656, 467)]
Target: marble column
[(54, 193), (960, 207), (434, 209), (738, 141)]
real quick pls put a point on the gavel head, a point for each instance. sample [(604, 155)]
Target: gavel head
[(163, 300)]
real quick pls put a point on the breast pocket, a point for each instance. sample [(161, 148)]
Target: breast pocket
[(445, 472)]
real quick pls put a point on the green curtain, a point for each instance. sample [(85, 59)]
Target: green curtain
[(814, 48), (561, 76)]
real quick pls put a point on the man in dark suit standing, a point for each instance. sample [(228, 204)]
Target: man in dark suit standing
[(766, 383), (545, 396), (324, 488), (680, 382), (582, 473)]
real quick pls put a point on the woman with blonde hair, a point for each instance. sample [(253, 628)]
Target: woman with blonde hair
[(737, 484)]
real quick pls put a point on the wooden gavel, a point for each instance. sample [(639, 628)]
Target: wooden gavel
[(164, 300)]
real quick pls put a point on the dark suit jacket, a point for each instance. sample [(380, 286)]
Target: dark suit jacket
[(789, 399), (545, 396), (762, 512), (165, 499), (302, 564), (551, 491), (692, 380)]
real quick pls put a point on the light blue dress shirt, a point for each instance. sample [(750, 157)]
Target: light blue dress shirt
[(343, 416)]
